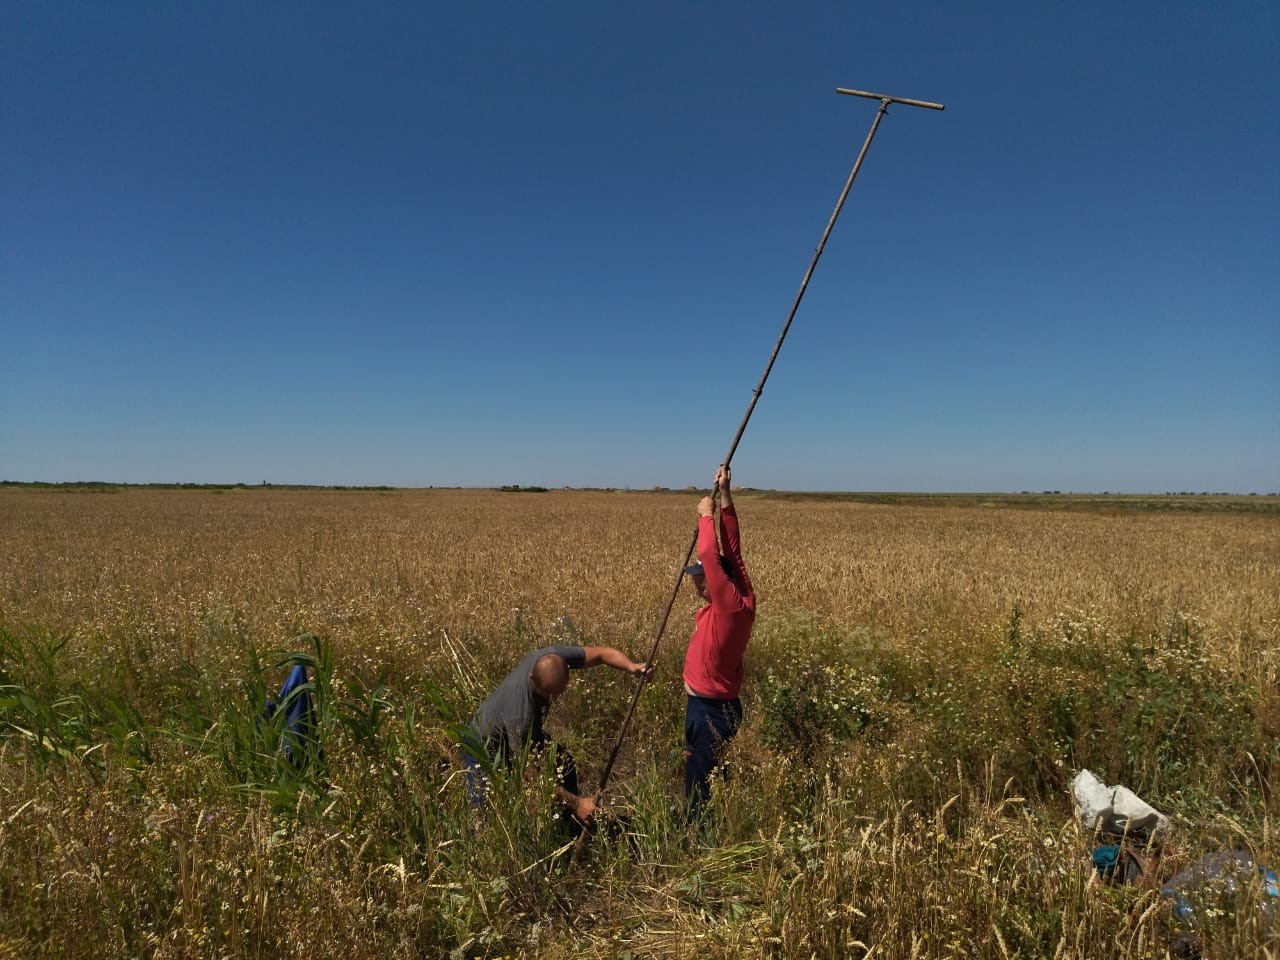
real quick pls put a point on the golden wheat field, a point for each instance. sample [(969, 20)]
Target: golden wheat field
[(985, 650), (380, 572)]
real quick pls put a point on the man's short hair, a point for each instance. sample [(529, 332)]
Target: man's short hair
[(549, 669)]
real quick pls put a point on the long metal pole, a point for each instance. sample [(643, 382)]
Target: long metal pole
[(755, 397)]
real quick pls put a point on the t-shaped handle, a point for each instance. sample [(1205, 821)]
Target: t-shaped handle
[(884, 97)]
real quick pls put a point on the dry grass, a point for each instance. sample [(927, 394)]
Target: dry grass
[(935, 825), (391, 566)]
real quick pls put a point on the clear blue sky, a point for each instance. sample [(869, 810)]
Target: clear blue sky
[(553, 243)]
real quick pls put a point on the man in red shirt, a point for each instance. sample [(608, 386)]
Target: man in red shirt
[(713, 662)]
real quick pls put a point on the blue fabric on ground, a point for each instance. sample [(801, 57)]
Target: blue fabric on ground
[(1105, 859), (299, 717)]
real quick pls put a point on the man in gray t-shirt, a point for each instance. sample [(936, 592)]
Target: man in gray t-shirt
[(509, 722)]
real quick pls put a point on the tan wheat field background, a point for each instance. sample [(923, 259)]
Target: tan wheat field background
[(379, 571), (964, 635)]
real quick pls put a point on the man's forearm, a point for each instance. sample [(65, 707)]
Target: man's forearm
[(616, 659)]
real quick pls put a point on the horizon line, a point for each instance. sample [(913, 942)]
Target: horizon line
[(655, 488)]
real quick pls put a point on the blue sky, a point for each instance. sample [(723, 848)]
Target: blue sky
[(553, 243)]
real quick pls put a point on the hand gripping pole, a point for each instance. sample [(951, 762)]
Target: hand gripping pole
[(755, 397)]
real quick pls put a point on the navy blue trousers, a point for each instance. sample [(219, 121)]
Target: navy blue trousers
[(709, 725)]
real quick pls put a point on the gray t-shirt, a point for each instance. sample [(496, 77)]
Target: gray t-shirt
[(513, 713)]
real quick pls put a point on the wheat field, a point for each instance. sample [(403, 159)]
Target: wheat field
[(922, 681)]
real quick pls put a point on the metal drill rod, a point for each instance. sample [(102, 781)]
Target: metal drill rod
[(755, 397), (880, 96)]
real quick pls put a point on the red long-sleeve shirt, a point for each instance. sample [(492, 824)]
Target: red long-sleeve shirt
[(713, 662)]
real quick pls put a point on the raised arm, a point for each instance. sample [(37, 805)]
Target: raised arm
[(723, 477), (729, 535), (723, 591)]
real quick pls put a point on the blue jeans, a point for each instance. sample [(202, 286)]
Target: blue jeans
[(709, 725), (477, 782), (566, 774)]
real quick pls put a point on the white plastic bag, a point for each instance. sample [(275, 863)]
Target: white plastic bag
[(1119, 809)]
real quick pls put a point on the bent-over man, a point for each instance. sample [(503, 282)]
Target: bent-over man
[(508, 725)]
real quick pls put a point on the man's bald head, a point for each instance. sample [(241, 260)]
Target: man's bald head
[(549, 676)]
